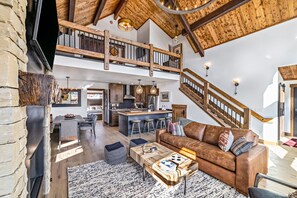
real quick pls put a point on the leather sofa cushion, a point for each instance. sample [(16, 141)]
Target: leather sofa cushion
[(212, 134), (214, 155), (177, 141), (195, 130)]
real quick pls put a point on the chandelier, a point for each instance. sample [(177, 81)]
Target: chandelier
[(125, 25), (176, 9)]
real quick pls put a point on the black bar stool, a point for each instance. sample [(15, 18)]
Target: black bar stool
[(161, 122), (137, 123), (147, 123)]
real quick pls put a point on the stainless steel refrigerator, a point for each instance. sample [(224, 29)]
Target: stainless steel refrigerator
[(152, 102)]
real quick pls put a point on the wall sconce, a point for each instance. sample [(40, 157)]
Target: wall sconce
[(236, 84), (206, 66)]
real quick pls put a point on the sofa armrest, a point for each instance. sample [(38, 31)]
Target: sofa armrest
[(158, 133), (249, 164)]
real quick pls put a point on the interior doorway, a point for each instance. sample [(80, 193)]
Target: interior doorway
[(95, 98), (293, 107)]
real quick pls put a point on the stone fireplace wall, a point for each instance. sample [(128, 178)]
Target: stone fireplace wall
[(13, 132)]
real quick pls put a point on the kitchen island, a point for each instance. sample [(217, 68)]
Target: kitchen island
[(125, 118)]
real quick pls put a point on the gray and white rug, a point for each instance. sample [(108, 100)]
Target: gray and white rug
[(99, 179)]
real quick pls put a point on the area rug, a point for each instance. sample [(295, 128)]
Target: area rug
[(99, 179), (292, 142)]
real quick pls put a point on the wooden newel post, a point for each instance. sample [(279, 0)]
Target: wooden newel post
[(106, 49), (205, 95), (151, 60), (181, 63), (246, 118)]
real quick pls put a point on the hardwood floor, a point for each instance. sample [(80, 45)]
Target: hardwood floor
[(282, 161)]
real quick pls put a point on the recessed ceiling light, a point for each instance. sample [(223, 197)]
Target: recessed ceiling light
[(268, 56)]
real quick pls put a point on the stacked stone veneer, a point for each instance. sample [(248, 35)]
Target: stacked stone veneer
[(13, 133)]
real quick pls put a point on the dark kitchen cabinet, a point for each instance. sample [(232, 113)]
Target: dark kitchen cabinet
[(116, 92), (113, 118)]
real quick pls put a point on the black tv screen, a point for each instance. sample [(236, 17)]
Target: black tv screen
[(45, 32)]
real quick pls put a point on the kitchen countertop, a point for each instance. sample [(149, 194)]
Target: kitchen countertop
[(127, 110), (135, 113)]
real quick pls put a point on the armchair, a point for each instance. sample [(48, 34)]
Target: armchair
[(255, 192)]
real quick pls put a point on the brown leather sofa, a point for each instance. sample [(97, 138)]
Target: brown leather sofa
[(201, 144)]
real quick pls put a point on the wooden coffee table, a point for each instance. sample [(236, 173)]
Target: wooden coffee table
[(151, 164)]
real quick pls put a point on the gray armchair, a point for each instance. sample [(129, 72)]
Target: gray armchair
[(89, 124), (68, 131), (255, 192)]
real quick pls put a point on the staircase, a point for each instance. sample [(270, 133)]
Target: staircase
[(223, 108)]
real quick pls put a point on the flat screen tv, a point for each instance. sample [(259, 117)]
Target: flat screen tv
[(45, 31)]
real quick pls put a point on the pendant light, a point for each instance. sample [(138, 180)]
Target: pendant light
[(65, 92), (139, 89), (153, 89)]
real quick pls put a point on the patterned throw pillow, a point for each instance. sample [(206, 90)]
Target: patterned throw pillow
[(241, 145), (293, 194), (176, 129), (225, 140)]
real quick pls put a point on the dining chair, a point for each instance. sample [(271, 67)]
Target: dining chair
[(68, 131), (89, 125)]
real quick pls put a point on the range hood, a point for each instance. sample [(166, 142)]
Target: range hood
[(128, 95)]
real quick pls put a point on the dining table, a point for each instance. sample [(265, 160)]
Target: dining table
[(58, 119)]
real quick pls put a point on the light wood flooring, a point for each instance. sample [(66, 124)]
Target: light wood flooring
[(282, 160)]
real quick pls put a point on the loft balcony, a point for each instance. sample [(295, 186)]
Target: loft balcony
[(80, 41)]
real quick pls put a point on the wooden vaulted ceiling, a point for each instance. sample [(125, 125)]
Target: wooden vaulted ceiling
[(250, 17)]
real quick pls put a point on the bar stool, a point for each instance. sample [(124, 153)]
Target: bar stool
[(161, 122), (147, 123), (168, 119), (135, 122)]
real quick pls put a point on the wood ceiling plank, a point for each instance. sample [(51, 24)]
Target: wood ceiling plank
[(101, 6), (288, 72)]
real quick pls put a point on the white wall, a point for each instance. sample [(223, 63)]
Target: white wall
[(82, 110), (158, 37), (253, 59), (143, 33), (104, 24)]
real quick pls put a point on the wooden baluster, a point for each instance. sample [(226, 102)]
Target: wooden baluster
[(181, 63), (151, 60), (205, 95), (106, 49), (246, 118)]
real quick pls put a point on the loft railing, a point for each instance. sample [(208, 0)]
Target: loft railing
[(87, 42), (211, 98)]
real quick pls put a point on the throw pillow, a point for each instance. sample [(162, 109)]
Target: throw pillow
[(225, 140), (171, 127), (180, 130), (241, 145), (293, 194)]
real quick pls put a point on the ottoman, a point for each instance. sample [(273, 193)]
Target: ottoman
[(136, 142), (115, 153)]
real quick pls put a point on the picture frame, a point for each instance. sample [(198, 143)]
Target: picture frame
[(178, 49), (71, 99), (165, 96)]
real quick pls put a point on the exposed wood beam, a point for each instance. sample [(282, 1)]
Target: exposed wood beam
[(99, 11), (119, 8), (71, 10), (228, 7), (193, 38)]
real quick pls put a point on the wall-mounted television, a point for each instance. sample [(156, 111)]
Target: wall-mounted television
[(45, 31)]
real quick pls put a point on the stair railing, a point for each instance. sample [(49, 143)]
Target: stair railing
[(218, 104)]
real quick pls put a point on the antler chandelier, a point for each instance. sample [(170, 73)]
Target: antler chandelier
[(173, 7)]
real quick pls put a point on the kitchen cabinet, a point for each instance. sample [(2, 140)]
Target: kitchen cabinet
[(116, 92), (113, 118), (178, 111)]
